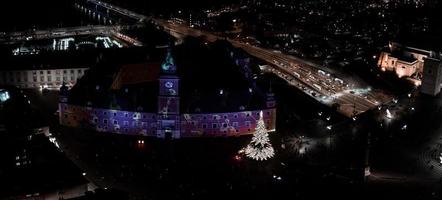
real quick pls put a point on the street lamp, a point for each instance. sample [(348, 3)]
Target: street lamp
[(329, 128)]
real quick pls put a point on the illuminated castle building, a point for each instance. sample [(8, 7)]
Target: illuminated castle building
[(404, 61), (193, 95), (420, 66)]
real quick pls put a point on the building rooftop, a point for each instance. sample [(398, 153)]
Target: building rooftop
[(209, 82), (401, 57)]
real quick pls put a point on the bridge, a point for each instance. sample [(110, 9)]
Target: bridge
[(103, 12)]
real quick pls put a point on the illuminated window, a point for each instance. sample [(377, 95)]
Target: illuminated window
[(235, 124), (248, 124)]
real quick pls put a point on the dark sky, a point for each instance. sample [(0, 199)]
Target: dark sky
[(19, 14)]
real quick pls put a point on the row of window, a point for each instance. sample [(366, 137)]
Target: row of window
[(247, 124), (117, 129), (152, 132), (42, 79), (47, 72), (135, 115), (19, 77), (248, 114), (126, 123), (139, 115)]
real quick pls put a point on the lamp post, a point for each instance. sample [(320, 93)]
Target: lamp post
[(367, 156), (330, 146)]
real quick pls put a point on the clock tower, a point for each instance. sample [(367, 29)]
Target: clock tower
[(168, 100)]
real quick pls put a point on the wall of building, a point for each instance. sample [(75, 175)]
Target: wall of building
[(432, 77), (42, 78), (405, 69), (107, 120), (146, 124), (225, 124), (402, 68)]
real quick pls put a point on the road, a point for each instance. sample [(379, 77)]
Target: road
[(312, 79)]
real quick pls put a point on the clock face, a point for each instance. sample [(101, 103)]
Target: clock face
[(172, 92), (168, 84)]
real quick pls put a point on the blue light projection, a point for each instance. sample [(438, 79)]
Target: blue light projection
[(168, 65)]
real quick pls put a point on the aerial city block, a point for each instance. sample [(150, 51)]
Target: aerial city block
[(228, 99)]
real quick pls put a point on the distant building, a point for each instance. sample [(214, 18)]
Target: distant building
[(403, 60), (42, 78), (155, 100), (423, 67), (432, 79)]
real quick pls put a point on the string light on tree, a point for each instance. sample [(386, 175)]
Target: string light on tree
[(260, 148)]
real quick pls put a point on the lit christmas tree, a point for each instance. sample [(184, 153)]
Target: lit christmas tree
[(260, 147)]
